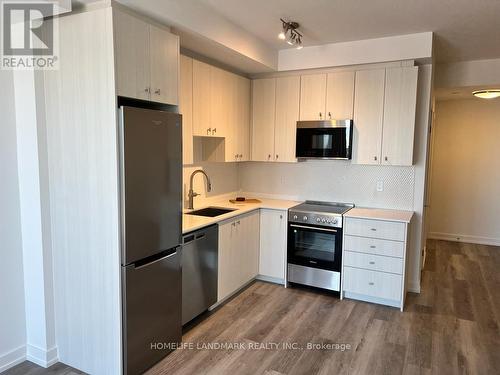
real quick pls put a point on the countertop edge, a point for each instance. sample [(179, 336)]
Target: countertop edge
[(383, 214)]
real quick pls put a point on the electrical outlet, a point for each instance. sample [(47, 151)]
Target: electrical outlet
[(380, 185)]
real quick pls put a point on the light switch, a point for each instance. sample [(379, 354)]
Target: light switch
[(380, 185)]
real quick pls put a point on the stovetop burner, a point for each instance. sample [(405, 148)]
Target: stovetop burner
[(327, 214)]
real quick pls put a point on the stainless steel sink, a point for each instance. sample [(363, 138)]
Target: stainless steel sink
[(211, 211)]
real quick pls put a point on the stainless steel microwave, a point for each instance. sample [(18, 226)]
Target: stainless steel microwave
[(324, 139)]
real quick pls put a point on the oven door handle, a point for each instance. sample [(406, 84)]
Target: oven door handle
[(314, 228)]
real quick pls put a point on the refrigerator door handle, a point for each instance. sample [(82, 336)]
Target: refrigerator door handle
[(138, 267)]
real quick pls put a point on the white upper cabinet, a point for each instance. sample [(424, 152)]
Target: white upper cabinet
[(221, 101), (186, 107), (263, 118), (242, 118), (164, 57), (368, 116), (340, 95), (287, 114), (399, 115), (201, 99), (131, 56), (146, 58), (384, 116), (313, 97)]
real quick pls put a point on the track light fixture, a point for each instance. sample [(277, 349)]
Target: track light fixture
[(290, 33)]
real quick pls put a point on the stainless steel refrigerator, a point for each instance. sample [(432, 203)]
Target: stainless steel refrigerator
[(151, 227)]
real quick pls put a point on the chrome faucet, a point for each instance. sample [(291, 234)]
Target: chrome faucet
[(191, 193)]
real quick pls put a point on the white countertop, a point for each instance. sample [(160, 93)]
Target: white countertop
[(380, 214), (193, 222)]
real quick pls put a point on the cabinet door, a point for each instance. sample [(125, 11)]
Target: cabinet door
[(186, 107), (312, 97), (226, 279), (251, 244), (221, 101), (340, 95), (164, 52), (272, 243), (287, 114), (242, 118), (399, 115), (201, 99), (368, 116), (263, 117), (131, 56)]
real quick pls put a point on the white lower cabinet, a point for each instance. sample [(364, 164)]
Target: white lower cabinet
[(373, 260), (238, 253), (273, 239)]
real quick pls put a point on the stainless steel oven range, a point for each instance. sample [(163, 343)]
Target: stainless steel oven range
[(315, 244)]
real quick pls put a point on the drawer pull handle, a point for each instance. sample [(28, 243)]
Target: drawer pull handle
[(374, 229), (371, 283), (373, 247), (372, 262)]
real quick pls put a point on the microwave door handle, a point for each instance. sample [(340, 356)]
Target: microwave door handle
[(314, 228)]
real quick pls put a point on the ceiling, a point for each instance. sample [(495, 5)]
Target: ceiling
[(464, 29)]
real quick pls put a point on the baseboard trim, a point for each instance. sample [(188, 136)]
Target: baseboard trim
[(12, 358), (41, 357), (270, 279), (413, 287), (464, 238)]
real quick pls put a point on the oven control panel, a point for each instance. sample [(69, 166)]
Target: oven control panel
[(310, 218)]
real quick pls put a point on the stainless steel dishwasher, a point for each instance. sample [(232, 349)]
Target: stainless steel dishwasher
[(199, 271)]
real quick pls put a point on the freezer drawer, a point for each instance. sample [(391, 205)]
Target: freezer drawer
[(199, 271), (151, 311)]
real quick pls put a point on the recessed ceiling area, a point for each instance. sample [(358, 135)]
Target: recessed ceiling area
[(464, 29)]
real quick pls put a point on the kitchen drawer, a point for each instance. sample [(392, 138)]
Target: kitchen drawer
[(373, 262), (374, 246), (388, 230), (372, 283)]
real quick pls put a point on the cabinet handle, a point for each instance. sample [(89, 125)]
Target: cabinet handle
[(236, 156), (241, 155), (375, 158), (269, 157), (147, 89), (371, 283), (373, 229), (386, 158), (320, 115), (277, 156), (157, 91), (330, 115), (281, 216), (214, 131), (372, 262), (373, 247), (209, 130)]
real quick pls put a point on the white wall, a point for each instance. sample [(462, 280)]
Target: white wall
[(465, 187), (12, 319), (35, 224), (336, 181), (468, 73)]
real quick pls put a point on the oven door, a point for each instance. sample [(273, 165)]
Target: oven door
[(323, 142), (315, 247)]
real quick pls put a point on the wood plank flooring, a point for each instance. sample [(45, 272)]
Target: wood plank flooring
[(451, 327)]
